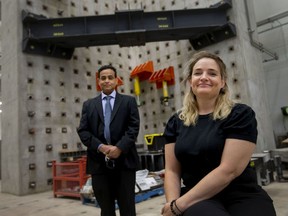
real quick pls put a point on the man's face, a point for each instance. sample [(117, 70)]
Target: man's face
[(107, 81)]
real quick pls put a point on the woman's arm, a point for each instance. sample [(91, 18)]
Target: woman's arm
[(235, 158), (172, 179)]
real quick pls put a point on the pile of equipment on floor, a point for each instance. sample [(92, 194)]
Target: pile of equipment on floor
[(148, 184)]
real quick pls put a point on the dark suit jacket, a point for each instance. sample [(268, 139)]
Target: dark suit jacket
[(124, 129)]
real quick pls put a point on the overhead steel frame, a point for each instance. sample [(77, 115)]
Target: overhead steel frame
[(58, 37)]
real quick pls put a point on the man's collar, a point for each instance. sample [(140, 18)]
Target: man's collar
[(113, 94)]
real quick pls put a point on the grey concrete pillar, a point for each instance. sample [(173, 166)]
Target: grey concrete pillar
[(11, 155)]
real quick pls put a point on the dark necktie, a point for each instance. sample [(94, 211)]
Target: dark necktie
[(108, 110)]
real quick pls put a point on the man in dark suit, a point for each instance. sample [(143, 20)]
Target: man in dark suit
[(112, 159)]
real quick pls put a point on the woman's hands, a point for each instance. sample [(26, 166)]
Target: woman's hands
[(171, 209), (166, 211)]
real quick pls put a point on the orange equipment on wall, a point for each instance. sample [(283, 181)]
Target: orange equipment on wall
[(140, 73), (120, 82), (163, 78)]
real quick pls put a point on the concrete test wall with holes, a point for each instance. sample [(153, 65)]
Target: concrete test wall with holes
[(272, 30), (42, 96)]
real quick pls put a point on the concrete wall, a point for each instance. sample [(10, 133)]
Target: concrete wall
[(251, 82), (42, 97), (11, 166), (274, 36)]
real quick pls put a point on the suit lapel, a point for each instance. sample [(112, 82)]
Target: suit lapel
[(98, 107), (118, 100)]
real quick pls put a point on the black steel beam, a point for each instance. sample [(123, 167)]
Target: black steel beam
[(58, 37)]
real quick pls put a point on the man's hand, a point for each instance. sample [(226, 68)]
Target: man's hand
[(104, 149), (110, 151), (114, 152)]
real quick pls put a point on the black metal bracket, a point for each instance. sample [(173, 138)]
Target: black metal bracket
[(58, 37)]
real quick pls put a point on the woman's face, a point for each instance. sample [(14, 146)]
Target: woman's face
[(206, 80)]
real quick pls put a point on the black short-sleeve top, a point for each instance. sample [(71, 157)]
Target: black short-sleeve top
[(199, 148)]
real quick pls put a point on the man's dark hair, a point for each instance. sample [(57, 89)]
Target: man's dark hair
[(104, 67)]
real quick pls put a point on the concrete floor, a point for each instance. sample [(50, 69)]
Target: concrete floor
[(44, 204)]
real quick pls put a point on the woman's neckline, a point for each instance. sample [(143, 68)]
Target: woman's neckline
[(204, 115)]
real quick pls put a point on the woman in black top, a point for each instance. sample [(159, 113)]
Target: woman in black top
[(209, 145)]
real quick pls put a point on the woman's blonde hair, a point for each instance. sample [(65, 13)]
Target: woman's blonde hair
[(189, 112)]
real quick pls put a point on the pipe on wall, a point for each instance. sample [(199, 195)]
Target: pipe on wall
[(255, 43)]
